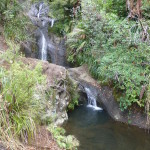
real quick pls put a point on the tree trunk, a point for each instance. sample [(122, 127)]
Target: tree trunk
[(134, 8)]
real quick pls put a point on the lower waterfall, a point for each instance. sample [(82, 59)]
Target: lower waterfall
[(92, 100)]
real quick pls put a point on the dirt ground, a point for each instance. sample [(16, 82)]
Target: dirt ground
[(3, 45), (43, 141)]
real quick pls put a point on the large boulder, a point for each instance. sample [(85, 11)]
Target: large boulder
[(55, 79), (57, 50)]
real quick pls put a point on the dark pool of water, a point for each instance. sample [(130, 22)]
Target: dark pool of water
[(97, 131)]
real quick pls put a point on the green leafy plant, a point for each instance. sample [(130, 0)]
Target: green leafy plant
[(12, 53), (74, 96), (62, 11), (114, 50), (67, 142), (18, 86), (14, 20)]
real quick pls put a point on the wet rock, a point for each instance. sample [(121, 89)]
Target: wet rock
[(29, 48), (57, 50), (38, 15), (52, 47)]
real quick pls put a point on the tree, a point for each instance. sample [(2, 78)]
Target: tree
[(134, 8)]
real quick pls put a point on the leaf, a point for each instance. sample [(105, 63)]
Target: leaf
[(81, 46)]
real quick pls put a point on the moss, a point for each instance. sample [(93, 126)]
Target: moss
[(117, 94), (74, 95)]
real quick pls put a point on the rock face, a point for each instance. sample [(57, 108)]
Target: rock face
[(38, 14), (105, 97), (57, 50), (48, 46), (29, 48), (56, 77)]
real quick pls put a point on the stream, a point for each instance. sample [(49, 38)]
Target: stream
[(97, 131)]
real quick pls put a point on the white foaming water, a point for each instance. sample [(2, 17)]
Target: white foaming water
[(92, 100), (52, 22), (44, 48), (38, 15), (40, 8)]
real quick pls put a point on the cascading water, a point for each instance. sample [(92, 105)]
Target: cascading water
[(52, 22), (39, 16), (43, 51), (91, 100), (44, 47), (40, 9), (50, 47)]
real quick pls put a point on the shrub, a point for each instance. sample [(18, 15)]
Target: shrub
[(62, 11), (66, 142), (20, 107), (74, 95), (14, 20)]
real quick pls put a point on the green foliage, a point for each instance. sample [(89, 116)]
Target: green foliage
[(117, 7), (3, 7), (12, 53), (62, 6), (22, 100), (148, 91), (14, 21), (145, 9), (19, 106), (114, 51), (147, 103), (74, 96), (62, 11), (66, 142)]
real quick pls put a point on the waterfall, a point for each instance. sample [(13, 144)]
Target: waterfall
[(40, 9), (44, 47), (92, 100), (39, 15), (52, 22)]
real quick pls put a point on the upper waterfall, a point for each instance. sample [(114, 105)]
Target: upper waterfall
[(50, 46), (39, 17), (44, 47)]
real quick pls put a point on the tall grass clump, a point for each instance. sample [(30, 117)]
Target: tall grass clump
[(21, 99), (14, 20)]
